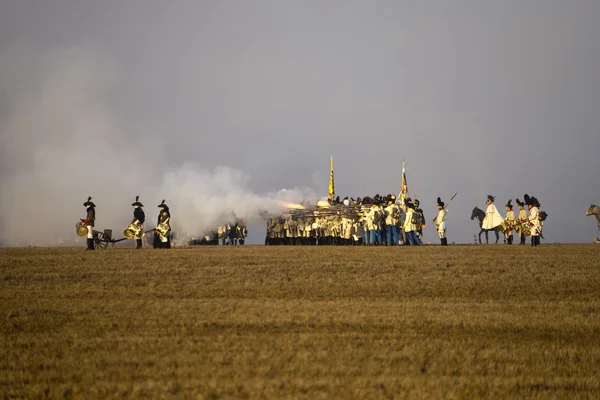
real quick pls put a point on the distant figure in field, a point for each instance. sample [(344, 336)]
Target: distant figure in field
[(534, 219), (138, 218), (509, 220), (410, 227), (421, 222), (522, 219), (162, 234), (440, 222), (489, 220), (89, 221)]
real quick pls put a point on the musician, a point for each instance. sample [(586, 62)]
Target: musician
[(409, 225), (164, 219), (89, 220), (534, 219), (522, 219), (138, 219), (492, 217), (510, 219), (440, 222), (421, 225)]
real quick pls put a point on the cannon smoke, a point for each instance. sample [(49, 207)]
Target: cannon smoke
[(62, 140)]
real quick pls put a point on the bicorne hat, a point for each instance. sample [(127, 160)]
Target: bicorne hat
[(490, 198), (440, 202), (89, 202), (509, 204), (528, 200), (137, 202), (163, 205)]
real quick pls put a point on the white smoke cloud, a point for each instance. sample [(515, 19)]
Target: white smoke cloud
[(63, 140)]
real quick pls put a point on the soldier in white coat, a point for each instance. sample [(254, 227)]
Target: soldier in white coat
[(492, 216), (510, 219), (440, 222), (534, 219), (522, 219)]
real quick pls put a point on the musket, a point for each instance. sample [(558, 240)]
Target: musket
[(446, 205), (450, 201)]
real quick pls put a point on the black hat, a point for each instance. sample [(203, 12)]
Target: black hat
[(535, 202), (509, 204), (89, 203), (417, 202), (528, 200), (490, 198), (440, 202), (163, 205), (410, 205), (137, 203), (520, 203)]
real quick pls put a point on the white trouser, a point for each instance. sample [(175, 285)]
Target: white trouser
[(90, 234), (441, 233), (164, 239)]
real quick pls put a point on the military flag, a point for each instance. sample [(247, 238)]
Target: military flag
[(331, 192), (401, 199)]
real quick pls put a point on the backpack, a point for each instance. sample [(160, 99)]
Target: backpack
[(543, 215), (417, 218)]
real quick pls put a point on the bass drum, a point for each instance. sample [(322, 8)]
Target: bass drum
[(82, 230), (523, 227)]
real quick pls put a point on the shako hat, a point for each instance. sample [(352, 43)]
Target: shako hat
[(137, 202), (163, 205), (509, 204), (440, 202), (89, 202), (490, 198), (520, 203)]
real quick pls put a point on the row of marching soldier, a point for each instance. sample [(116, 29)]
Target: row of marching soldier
[(524, 225), (376, 221), (135, 230)]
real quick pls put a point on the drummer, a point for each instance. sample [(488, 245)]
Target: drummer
[(510, 219)]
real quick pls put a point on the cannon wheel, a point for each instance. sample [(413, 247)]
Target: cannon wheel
[(100, 241)]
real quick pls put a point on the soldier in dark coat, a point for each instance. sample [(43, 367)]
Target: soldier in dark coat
[(89, 220), (138, 218), (164, 218)]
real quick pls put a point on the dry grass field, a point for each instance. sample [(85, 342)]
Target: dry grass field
[(299, 322)]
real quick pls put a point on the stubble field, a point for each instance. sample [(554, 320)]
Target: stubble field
[(300, 322)]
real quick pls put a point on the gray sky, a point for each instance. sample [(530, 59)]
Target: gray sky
[(479, 97)]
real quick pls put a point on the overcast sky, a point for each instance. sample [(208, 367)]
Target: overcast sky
[(103, 98)]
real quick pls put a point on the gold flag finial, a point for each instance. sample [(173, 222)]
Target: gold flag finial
[(331, 192)]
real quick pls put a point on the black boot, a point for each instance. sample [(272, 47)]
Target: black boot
[(522, 239), (90, 244), (138, 243), (444, 241)]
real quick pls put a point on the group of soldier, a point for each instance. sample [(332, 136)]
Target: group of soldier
[(370, 221), (162, 232), (524, 225), (376, 221)]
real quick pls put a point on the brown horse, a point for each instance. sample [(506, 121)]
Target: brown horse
[(595, 210)]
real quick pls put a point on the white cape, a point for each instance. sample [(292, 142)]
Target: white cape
[(492, 218)]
